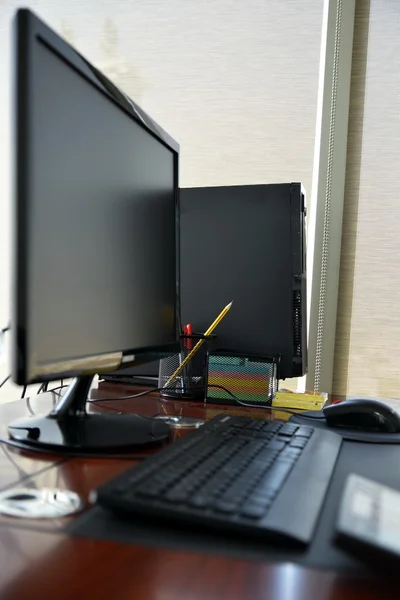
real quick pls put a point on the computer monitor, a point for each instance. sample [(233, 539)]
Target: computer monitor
[(96, 263), (247, 244)]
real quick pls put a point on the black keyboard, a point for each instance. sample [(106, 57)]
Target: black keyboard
[(261, 477)]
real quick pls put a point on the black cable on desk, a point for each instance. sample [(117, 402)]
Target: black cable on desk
[(221, 387), (265, 407), (145, 393), (159, 389)]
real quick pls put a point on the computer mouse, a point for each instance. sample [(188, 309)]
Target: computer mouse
[(360, 413)]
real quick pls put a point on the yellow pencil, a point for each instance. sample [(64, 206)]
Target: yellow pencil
[(199, 343)]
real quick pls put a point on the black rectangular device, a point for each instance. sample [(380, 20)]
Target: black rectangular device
[(247, 244), (96, 233), (368, 523)]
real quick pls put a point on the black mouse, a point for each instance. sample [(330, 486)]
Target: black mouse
[(369, 415)]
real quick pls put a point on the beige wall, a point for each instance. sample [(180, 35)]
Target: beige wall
[(368, 327), (234, 81)]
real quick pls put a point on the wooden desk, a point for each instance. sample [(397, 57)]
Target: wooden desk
[(38, 560)]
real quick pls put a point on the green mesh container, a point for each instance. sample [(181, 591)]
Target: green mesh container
[(251, 379)]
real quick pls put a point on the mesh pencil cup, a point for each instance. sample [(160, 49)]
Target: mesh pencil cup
[(191, 383)]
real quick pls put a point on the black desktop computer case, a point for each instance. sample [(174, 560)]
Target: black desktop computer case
[(247, 244)]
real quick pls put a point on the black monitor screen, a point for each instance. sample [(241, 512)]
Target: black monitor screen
[(100, 222)]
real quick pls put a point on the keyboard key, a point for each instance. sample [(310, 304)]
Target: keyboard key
[(236, 491), (253, 511), (238, 425), (288, 458), (264, 499), (245, 421), (288, 428), (226, 507), (274, 478), (249, 480), (304, 432), (273, 426), (263, 435), (264, 460), (290, 451), (246, 434), (255, 426), (298, 443), (200, 501), (276, 445), (150, 491), (136, 477), (177, 495), (290, 454), (284, 437)]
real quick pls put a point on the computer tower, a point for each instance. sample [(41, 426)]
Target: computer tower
[(247, 244)]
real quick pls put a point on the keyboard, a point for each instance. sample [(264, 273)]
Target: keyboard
[(258, 477)]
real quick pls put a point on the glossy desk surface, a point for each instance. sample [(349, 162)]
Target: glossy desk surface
[(38, 560)]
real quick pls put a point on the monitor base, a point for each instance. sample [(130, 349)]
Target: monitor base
[(70, 429), (88, 432)]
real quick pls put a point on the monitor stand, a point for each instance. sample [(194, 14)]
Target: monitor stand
[(69, 428)]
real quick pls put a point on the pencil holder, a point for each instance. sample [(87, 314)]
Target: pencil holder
[(191, 382), (234, 378)]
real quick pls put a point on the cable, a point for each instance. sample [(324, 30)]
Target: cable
[(43, 388), (145, 393), (277, 408), (152, 390), (159, 389), (40, 390), (5, 381), (266, 407), (59, 387), (21, 471), (29, 407), (237, 400)]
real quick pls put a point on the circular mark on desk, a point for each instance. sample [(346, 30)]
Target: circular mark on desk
[(43, 503), (180, 422)]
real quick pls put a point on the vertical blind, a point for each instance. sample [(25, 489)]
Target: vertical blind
[(235, 82), (368, 326)]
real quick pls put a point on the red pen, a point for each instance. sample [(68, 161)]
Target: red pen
[(185, 342), (188, 329)]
